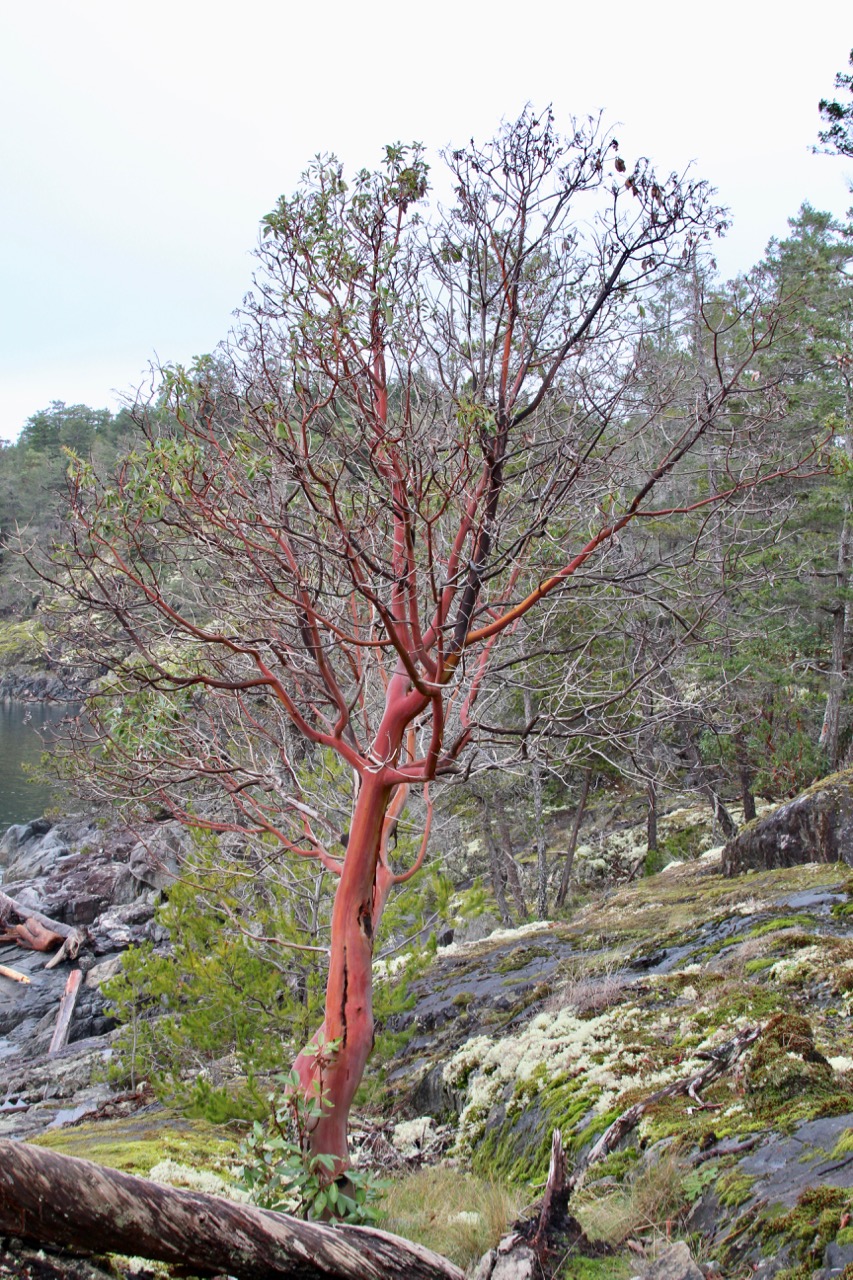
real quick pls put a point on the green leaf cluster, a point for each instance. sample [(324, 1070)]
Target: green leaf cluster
[(281, 1173)]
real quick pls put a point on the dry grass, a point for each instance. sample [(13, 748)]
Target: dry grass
[(454, 1213), (591, 985), (650, 1205)]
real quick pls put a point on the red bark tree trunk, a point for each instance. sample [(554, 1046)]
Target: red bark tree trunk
[(334, 1062), (348, 1023)]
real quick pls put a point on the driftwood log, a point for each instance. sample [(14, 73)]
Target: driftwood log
[(59, 1200), (72, 939), (6, 972), (66, 1009), (31, 935)]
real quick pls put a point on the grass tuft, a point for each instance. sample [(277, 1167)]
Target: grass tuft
[(457, 1214)]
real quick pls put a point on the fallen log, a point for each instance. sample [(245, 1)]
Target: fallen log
[(60, 1200), (32, 935), (74, 938), (66, 1010)]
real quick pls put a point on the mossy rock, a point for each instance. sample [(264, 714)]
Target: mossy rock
[(138, 1143), (816, 826), (785, 1062)]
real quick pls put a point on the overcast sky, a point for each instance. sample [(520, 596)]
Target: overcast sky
[(143, 142)]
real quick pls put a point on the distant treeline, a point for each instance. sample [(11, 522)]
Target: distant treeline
[(32, 485)]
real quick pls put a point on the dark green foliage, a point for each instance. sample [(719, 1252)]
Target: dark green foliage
[(838, 116), (224, 1007), (33, 484)]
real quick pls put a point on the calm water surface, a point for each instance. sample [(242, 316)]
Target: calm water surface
[(26, 729)]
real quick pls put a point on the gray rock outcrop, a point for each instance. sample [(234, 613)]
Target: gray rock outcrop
[(105, 881), (816, 826)]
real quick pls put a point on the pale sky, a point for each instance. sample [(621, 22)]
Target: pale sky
[(143, 142)]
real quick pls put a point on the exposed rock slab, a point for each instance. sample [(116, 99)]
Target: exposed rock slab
[(674, 1263), (816, 826)]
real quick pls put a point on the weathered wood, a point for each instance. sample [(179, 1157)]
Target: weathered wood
[(60, 1200), (554, 1199), (74, 937), (66, 1011), (69, 950), (6, 972), (32, 935), (535, 1248)]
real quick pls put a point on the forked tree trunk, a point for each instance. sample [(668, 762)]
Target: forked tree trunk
[(59, 1200), (333, 1063), (335, 1072)]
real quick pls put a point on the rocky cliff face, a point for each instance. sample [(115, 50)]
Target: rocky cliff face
[(571, 1025)]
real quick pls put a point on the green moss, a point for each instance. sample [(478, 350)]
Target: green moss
[(782, 922), (741, 1000), (136, 1144), (734, 1189), (753, 967), (518, 1148), (617, 1267), (21, 642), (844, 1145), (616, 1165), (809, 1227), (520, 957), (785, 1063)]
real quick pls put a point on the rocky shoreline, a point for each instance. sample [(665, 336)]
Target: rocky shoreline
[(42, 686), (105, 882)]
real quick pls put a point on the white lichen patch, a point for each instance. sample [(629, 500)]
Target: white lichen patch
[(413, 1136), (751, 906), (607, 1055), (497, 936), (793, 969), (466, 1218), (172, 1174), (391, 966)]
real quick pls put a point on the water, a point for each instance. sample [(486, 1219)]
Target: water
[(26, 729)]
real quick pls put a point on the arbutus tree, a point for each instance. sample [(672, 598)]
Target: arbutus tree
[(415, 437)]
